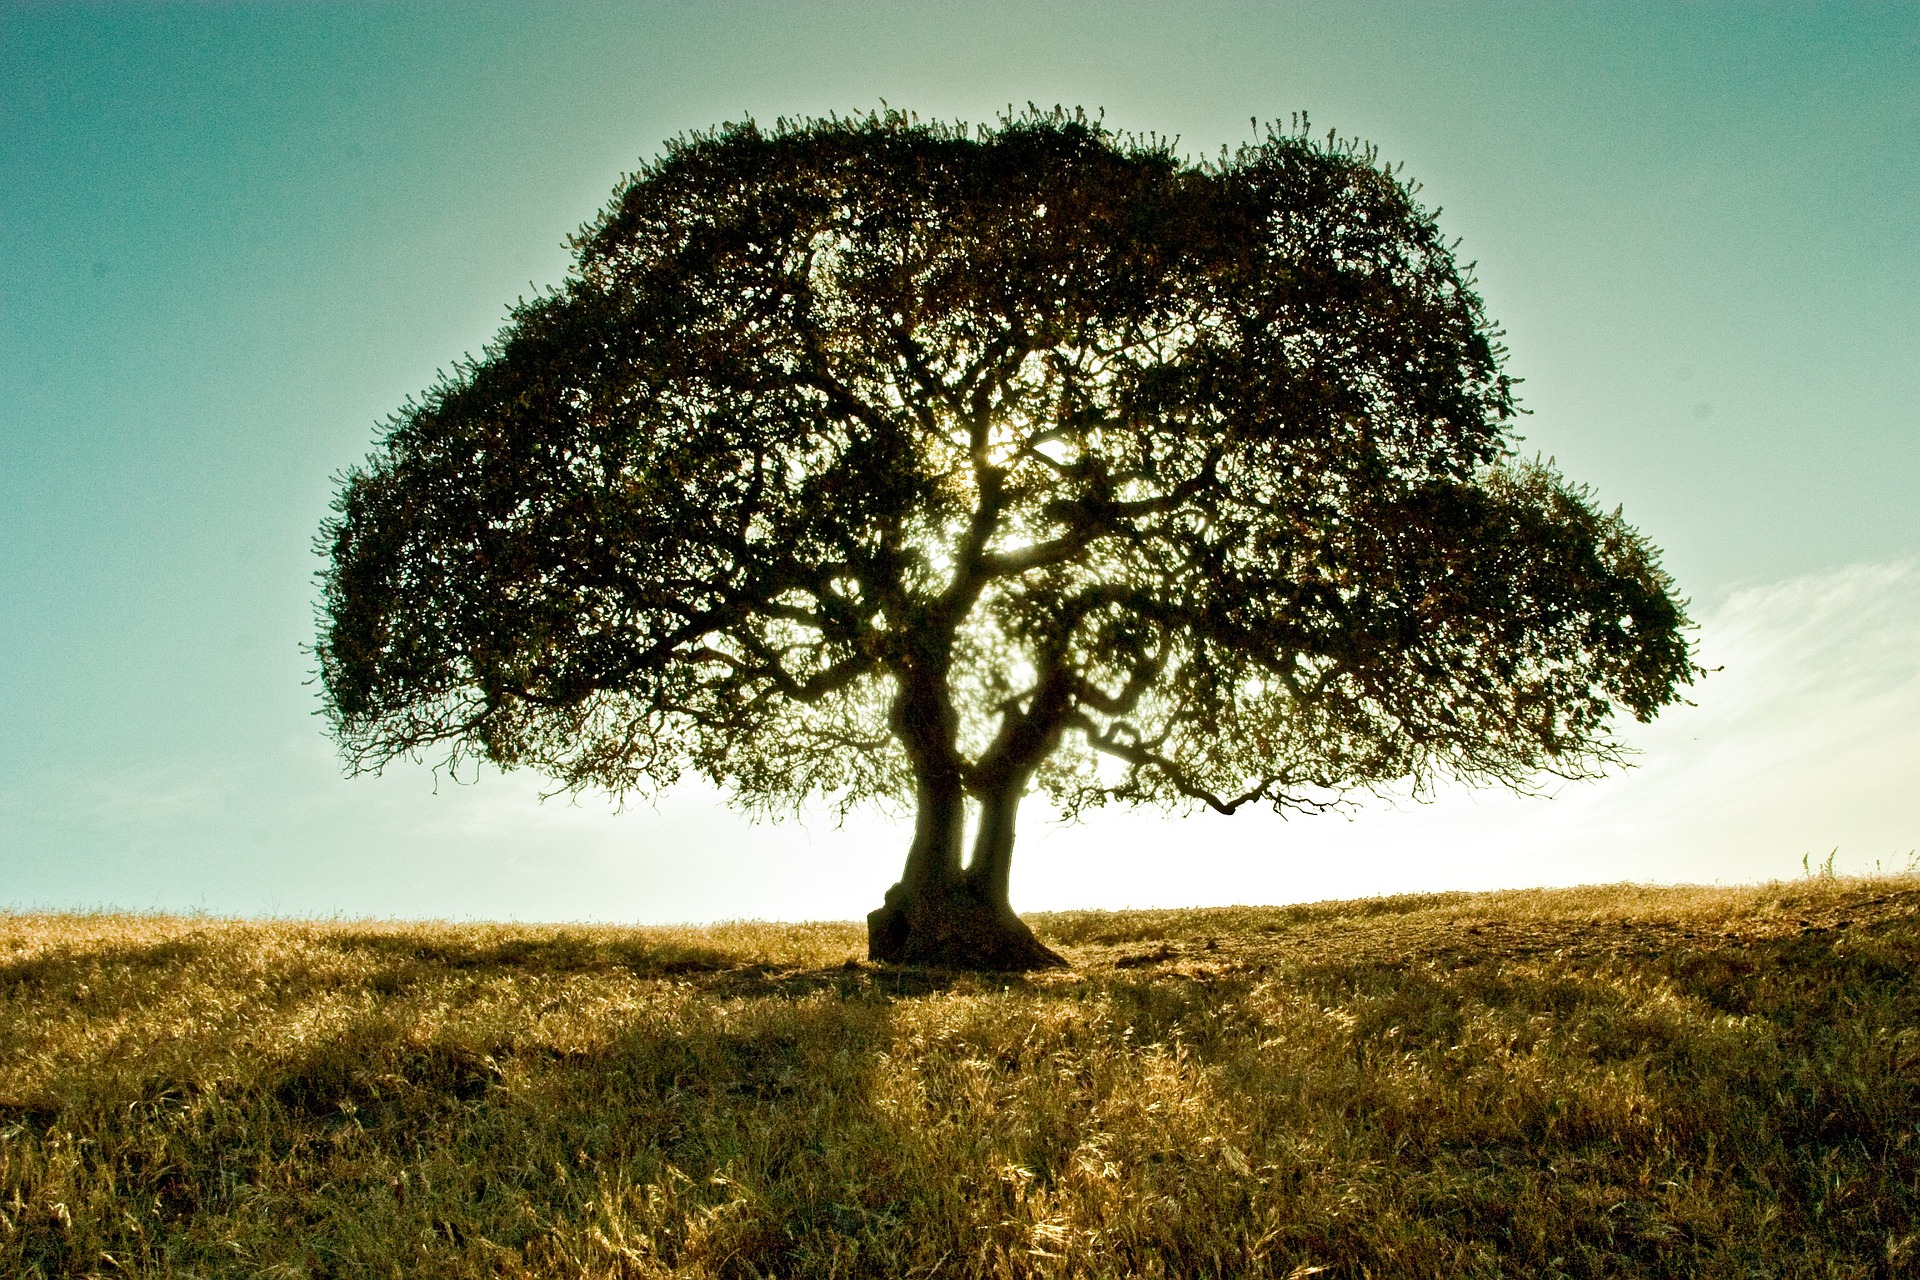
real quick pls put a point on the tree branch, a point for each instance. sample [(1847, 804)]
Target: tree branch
[(1141, 757)]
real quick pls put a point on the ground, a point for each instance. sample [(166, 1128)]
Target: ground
[(1609, 1081)]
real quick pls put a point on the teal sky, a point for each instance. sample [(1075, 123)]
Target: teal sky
[(233, 238)]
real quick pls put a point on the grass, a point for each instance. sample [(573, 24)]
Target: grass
[(1594, 1082)]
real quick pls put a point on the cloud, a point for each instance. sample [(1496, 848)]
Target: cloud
[(1807, 736)]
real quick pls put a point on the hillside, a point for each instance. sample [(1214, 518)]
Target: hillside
[(1609, 1081)]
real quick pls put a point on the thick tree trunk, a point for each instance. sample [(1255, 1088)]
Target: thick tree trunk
[(940, 915), (954, 927)]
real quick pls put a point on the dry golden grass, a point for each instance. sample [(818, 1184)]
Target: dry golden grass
[(1610, 1081)]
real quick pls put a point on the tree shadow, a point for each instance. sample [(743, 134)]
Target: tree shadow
[(62, 970), (709, 970), (740, 1123), (562, 953)]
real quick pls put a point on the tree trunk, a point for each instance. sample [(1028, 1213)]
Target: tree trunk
[(940, 915)]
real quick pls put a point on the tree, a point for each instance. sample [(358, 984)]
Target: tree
[(877, 458)]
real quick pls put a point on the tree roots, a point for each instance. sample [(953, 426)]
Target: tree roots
[(954, 927)]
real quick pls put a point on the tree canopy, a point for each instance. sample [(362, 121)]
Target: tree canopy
[(885, 459)]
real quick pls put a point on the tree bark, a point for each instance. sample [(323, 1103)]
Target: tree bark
[(939, 914), (952, 918)]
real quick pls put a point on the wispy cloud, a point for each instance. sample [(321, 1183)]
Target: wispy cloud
[(1808, 734)]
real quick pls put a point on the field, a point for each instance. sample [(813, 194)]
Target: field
[(1595, 1082)]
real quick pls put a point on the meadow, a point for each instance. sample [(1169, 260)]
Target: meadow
[(1611, 1081)]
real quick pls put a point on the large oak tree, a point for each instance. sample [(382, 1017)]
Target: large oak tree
[(884, 459)]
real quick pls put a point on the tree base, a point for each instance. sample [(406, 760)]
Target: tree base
[(954, 928)]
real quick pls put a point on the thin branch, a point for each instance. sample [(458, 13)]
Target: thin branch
[(1141, 757)]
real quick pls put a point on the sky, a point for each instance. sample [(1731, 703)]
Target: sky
[(234, 238)]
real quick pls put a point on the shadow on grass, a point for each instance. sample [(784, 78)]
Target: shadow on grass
[(559, 954), (752, 1120), (748, 1125), (61, 971)]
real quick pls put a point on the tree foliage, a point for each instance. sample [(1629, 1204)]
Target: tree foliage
[(866, 456)]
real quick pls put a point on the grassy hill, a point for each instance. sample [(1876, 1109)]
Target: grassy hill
[(1610, 1081)]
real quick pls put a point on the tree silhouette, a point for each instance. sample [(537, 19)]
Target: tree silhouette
[(878, 458)]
